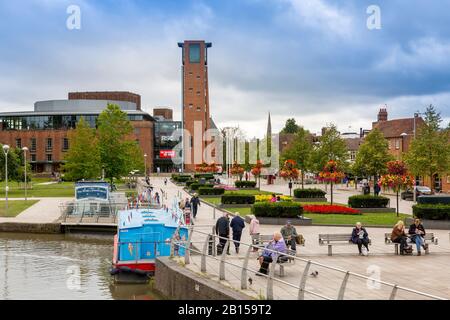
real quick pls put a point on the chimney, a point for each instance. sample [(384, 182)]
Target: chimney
[(382, 115)]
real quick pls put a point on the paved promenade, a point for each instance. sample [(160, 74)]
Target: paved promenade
[(46, 210), (427, 273)]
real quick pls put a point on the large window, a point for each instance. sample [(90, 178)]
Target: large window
[(65, 144), (194, 53), (49, 144), (33, 144)]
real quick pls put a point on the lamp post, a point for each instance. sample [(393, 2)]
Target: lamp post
[(25, 149), (6, 150), (145, 165)]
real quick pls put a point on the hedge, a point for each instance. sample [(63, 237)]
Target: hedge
[(368, 201), (432, 211), (237, 199), (206, 176), (210, 191), (277, 209), (196, 185), (433, 200), (309, 193), (181, 178), (245, 184), (189, 182)]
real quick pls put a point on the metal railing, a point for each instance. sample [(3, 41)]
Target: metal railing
[(270, 277)]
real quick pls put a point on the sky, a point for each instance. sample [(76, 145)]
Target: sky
[(314, 60)]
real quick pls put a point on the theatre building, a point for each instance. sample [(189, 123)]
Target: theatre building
[(44, 131)]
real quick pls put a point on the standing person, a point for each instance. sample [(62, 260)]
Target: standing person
[(377, 189), (276, 244), (223, 231), (237, 225), (289, 234), (254, 231), (195, 202), (187, 203), (399, 236), (417, 232), (157, 198), (360, 237), (165, 181)]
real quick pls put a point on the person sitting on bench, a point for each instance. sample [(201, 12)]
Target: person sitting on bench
[(399, 236), (360, 237), (417, 232), (289, 234), (276, 244)]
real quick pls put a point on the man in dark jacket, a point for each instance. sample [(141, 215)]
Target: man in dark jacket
[(360, 237), (195, 202), (223, 230), (237, 225)]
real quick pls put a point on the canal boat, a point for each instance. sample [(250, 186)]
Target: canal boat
[(142, 236)]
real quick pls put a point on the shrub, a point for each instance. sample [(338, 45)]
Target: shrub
[(277, 209), (206, 176), (245, 184), (330, 209), (181, 178), (233, 198), (267, 197), (309, 193), (196, 186), (432, 211), (433, 199), (189, 182), (210, 191), (368, 201)]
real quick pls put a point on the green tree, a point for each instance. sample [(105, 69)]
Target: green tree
[(301, 151), (15, 164), (290, 126), (83, 157), (372, 156), (330, 147), (429, 153), (118, 153)]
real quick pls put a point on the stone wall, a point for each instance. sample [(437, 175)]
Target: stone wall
[(30, 227)]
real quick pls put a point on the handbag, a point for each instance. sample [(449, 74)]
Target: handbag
[(299, 239)]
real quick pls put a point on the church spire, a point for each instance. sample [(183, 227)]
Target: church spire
[(269, 127)]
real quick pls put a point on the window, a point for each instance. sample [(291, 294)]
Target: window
[(353, 155), (194, 53), (397, 144), (33, 157), (199, 109), (190, 106), (390, 144), (49, 145), (65, 144), (33, 144), (198, 93), (19, 143), (49, 158)]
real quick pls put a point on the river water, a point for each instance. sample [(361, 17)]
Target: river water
[(68, 267)]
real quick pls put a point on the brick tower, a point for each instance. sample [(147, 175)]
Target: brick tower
[(195, 100)]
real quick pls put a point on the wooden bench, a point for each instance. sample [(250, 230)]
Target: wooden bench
[(261, 240), (331, 240), (280, 263), (428, 239)]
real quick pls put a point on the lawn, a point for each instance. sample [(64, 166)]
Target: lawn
[(15, 207), (375, 219), (64, 189)]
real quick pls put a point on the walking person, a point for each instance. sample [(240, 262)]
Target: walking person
[(165, 181), (254, 231), (399, 236), (417, 232), (223, 231), (360, 237), (195, 203), (377, 189), (289, 234), (237, 225), (157, 198), (278, 245)]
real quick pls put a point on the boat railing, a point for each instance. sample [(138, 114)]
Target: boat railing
[(299, 286)]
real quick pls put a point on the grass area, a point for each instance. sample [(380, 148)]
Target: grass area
[(374, 219), (15, 207), (64, 189)]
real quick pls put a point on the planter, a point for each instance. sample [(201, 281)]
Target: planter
[(282, 221), (235, 205), (309, 199), (431, 224), (376, 210)]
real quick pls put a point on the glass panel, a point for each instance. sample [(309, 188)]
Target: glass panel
[(194, 53)]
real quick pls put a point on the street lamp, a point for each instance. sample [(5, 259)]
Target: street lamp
[(403, 135), (25, 149), (6, 150)]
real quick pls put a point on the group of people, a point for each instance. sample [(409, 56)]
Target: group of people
[(223, 227), (190, 206)]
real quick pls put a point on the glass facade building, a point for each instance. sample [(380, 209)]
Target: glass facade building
[(166, 138)]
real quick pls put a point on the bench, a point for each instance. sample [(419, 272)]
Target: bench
[(331, 240), (280, 263), (428, 239)]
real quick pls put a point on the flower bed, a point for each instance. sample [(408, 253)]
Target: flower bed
[(330, 209), (267, 197)]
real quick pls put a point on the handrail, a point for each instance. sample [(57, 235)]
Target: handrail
[(347, 274)]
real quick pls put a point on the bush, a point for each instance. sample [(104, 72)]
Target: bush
[(330, 209), (233, 198), (309, 193), (432, 211), (189, 182), (181, 178), (433, 199), (268, 197), (277, 209), (368, 201), (245, 184), (196, 185), (210, 191), (207, 176)]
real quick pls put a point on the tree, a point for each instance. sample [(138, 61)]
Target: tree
[(301, 151), (330, 147), (83, 157), (119, 154), (15, 164), (290, 126), (331, 173), (429, 154), (372, 156)]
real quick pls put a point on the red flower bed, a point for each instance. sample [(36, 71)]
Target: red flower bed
[(330, 209)]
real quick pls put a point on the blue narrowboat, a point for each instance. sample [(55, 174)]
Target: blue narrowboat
[(143, 235)]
